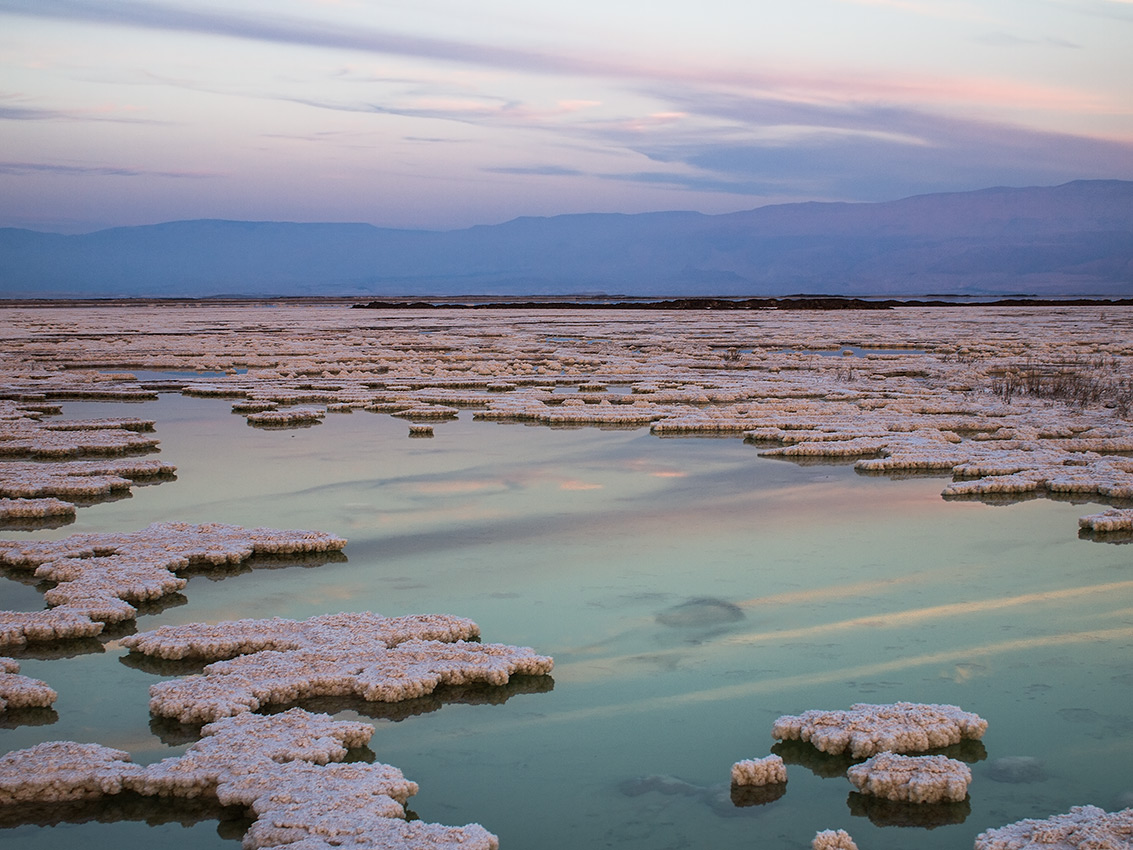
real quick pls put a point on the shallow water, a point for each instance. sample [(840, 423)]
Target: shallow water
[(690, 592)]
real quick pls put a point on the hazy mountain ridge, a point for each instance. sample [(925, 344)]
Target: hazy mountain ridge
[(1074, 239)]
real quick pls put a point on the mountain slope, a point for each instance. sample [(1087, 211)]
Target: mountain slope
[(1074, 239)]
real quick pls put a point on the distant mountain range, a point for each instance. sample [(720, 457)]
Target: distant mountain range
[(1070, 240)]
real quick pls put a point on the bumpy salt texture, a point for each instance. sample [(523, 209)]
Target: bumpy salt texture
[(912, 779), (867, 729), (97, 576)]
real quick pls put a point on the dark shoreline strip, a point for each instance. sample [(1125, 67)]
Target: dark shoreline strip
[(805, 303)]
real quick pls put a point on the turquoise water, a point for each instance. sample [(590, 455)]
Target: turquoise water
[(690, 592)]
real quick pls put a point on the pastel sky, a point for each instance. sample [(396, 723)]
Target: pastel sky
[(448, 113)]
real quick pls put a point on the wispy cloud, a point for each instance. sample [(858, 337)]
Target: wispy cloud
[(539, 170), (323, 34), (36, 113), (1006, 39), (94, 170)]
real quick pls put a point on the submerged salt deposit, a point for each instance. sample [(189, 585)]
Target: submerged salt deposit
[(1081, 828), (285, 769), (365, 655), (97, 576), (867, 729)]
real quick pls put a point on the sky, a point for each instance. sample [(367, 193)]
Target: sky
[(443, 114)]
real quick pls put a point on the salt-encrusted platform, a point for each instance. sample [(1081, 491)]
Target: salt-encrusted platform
[(912, 779), (1080, 828), (831, 839), (379, 659), (18, 691), (98, 576), (91, 479), (1006, 401), (283, 768), (867, 729), (765, 771)]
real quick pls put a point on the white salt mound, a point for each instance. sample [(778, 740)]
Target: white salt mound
[(912, 779), (97, 576), (284, 768), (18, 691), (1082, 828), (764, 771), (34, 508), (380, 659), (1115, 519), (830, 839), (868, 729), (63, 770)]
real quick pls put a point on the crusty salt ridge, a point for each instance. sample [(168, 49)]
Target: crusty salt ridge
[(1114, 519), (328, 631), (18, 691), (1081, 828), (285, 418), (97, 576), (376, 658), (912, 779), (284, 768), (90, 479), (867, 729), (32, 438), (34, 508), (830, 839), (765, 771), (936, 397), (58, 771)]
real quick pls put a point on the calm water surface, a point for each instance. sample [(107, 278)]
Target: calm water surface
[(690, 593)]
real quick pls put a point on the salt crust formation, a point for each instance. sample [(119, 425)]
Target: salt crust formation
[(285, 769), (830, 839), (1082, 828), (380, 659), (97, 576), (912, 779), (765, 771), (74, 480), (867, 729), (34, 508), (1008, 401), (18, 691), (1115, 519)]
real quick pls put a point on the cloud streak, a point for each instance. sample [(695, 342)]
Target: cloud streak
[(21, 168), (321, 34)]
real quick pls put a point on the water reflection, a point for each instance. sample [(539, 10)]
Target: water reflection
[(885, 813)]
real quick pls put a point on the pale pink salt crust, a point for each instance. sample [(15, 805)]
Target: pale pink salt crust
[(953, 391), (11, 509), (765, 771), (830, 839), (285, 769), (1115, 519), (287, 417), (379, 659), (97, 576), (912, 779), (867, 729), (33, 438), (90, 479), (1081, 828), (18, 691)]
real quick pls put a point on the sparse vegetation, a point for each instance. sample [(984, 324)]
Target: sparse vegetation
[(1078, 384)]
